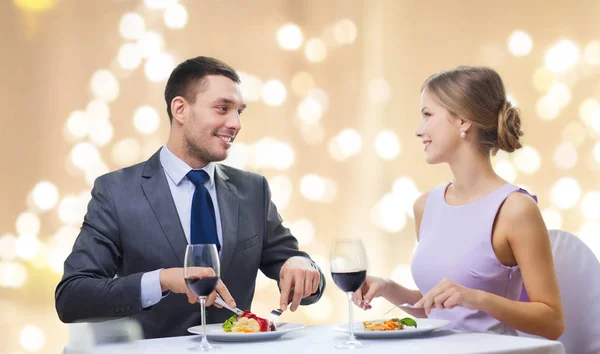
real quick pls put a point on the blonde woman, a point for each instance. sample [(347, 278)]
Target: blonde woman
[(480, 238)]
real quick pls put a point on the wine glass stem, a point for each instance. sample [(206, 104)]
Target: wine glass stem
[(203, 312), (350, 326)]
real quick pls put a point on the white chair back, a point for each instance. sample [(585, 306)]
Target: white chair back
[(578, 272)]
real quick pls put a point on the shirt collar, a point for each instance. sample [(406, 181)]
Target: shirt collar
[(177, 169)]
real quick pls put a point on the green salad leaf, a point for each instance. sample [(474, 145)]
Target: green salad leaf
[(229, 323), (407, 321)]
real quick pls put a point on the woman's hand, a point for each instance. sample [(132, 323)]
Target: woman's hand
[(372, 287), (447, 295)]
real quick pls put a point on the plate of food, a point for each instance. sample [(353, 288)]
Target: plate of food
[(246, 328), (394, 327)]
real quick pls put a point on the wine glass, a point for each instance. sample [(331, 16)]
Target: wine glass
[(201, 271), (349, 270)]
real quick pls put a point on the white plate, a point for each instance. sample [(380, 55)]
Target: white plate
[(424, 326), (215, 332)]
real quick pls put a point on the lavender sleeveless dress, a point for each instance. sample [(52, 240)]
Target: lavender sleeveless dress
[(455, 243)]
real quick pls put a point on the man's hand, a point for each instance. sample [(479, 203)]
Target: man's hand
[(172, 280), (297, 273)]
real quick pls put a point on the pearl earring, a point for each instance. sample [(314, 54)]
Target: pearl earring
[(463, 134)]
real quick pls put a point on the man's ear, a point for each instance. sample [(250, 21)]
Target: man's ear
[(178, 107)]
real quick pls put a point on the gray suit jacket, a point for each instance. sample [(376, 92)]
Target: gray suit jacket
[(132, 227)]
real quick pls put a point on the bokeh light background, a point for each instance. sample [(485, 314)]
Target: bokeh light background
[(333, 94)]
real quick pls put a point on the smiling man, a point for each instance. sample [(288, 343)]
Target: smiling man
[(128, 257)]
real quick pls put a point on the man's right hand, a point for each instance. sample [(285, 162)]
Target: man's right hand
[(172, 280)]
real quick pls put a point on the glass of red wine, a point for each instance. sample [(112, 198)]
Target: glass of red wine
[(349, 270), (201, 271)]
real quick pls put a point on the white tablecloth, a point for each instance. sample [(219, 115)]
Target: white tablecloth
[(322, 339)]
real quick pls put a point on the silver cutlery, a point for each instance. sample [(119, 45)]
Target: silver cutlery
[(404, 305), (221, 302)]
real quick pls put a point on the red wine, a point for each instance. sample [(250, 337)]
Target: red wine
[(349, 282), (202, 286)]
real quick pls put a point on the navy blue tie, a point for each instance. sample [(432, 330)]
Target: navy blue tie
[(203, 222)]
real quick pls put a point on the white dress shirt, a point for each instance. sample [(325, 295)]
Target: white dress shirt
[(182, 190)]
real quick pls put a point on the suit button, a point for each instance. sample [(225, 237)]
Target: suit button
[(128, 307)]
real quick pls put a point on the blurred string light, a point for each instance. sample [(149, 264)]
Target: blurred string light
[(565, 193), (132, 26), (563, 56), (12, 275), (390, 212), (175, 16), (71, 209), (387, 144), (271, 153), (557, 98), (129, 57), (303, 230), (126, 152), (78, 124), (302, 83), (591, 54), (27, 224), (596, 152), (146, 120), (318, 189), (289, 37), (150, 44), (552, 218), (520, 43), (281, 191), (345, 144), (406, 190), (8, 247), (159, 66), (543, 79), (251, 86), (574, 133), (506, 170), (309, 110), (590, 205), (527, 160), (32, 338), (44, 195), (587, 110), (104, 85), (588, 233), (273, 93), (238, 156), (379, 90), (565, 156), (84, 155), (345, 32), (315, 50), (313, 134)]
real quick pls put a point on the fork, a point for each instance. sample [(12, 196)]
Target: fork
[(274, 315)]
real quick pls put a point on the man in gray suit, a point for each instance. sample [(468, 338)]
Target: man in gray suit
[(128, 257)]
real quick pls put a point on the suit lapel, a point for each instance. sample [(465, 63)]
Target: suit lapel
[(157, 191), (227, 197)]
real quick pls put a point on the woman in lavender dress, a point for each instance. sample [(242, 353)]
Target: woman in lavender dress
[(480, 238)]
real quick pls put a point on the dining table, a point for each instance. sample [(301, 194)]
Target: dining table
[(324, 338)]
